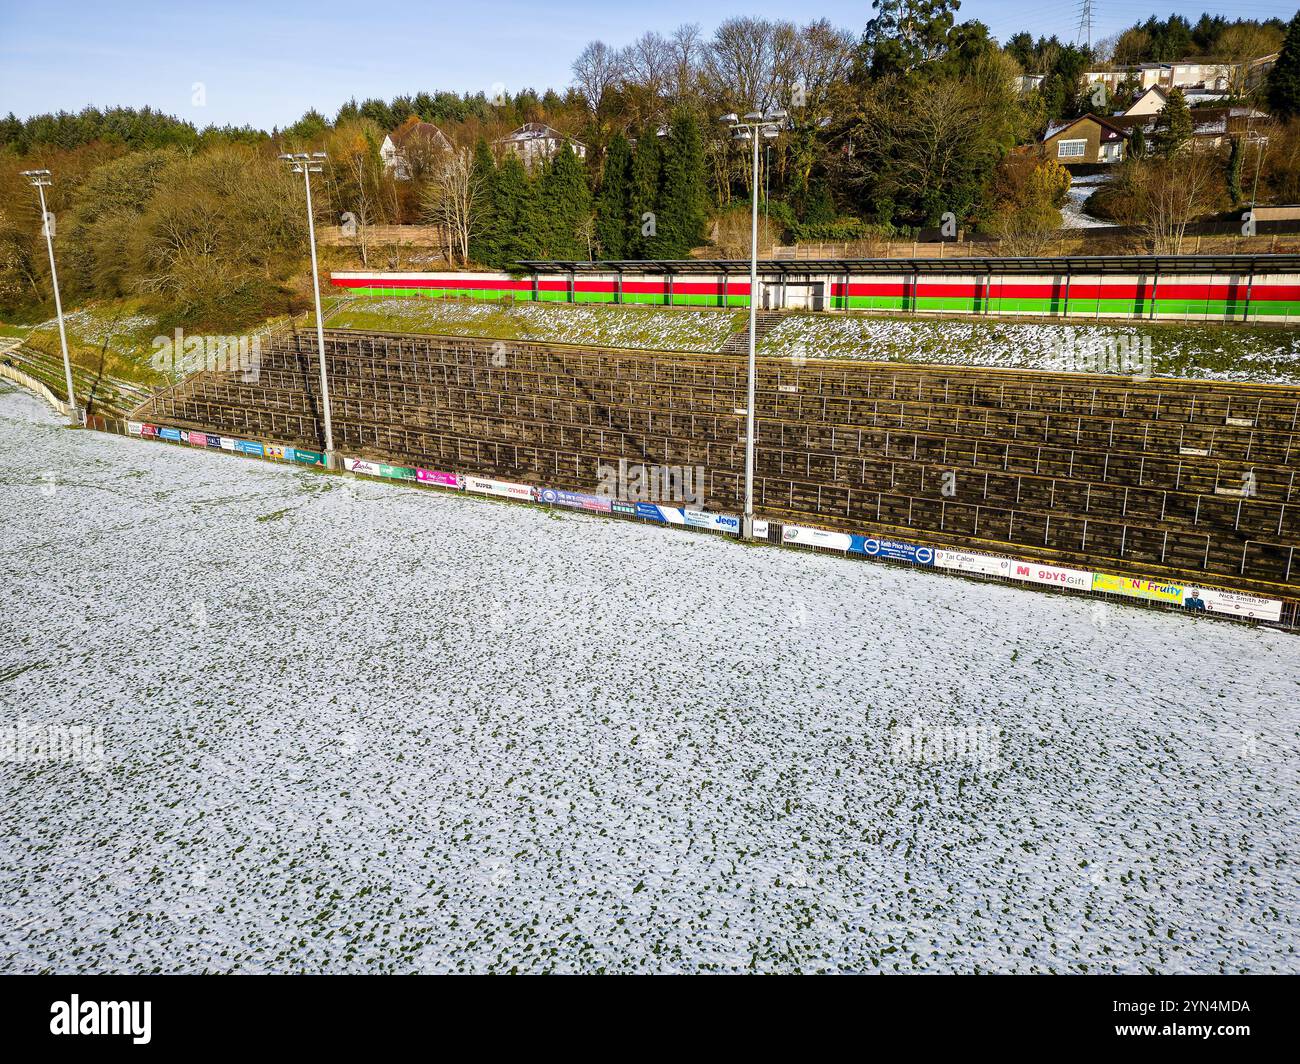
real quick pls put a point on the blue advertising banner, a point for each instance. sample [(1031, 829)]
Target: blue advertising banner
[(559, 497), (649, 510), (249, 447), (894, 549), (170, 434)]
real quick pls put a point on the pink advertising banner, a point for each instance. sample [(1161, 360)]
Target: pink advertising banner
[(433, 476)]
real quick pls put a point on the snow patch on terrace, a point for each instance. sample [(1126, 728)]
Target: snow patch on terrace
[(1214, 352), (351, 726), (675, 329)]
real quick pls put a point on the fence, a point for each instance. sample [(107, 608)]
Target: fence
[(16, 375), (1202, 600)]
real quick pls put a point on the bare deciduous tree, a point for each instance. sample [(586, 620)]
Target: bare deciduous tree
[(596, 72), (451, 199)]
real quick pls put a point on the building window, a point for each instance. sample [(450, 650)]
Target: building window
[(1070, 149)]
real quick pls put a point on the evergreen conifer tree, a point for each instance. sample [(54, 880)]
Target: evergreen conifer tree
[(614, 202), (1283, 85), (646, 166)]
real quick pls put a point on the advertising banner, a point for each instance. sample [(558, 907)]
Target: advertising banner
[(274, 450), (360, 465), (714, 522), (148, 430), (250, 447), (1133, 587), (626, 508), (504, 488), (134, 427), (654, 512), (816, 537), (894, 549), (1053, 575), (396, 472), (433, 476), (760, 528), (227, 444), (1236, 603), (170, 434), (308, 457), (966, 562), (557, 497), (199, 439)]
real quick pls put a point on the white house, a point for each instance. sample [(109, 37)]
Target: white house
[(536, 141), (412, 143)]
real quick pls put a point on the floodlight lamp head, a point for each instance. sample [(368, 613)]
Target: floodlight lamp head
[(754, 116), (732, 118)]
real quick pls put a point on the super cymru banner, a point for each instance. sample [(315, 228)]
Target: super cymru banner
[(503, 488)]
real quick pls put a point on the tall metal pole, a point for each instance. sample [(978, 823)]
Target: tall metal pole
[(747, 525), (330, 460), (73, 412)]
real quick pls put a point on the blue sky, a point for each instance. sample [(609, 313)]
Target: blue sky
[(266, 63)]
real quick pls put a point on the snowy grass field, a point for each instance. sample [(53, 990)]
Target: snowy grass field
[(353, 726)]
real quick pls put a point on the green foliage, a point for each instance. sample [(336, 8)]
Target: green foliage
[(137, 129), (481, 248), (1173, 126), (1283, 85), (564, 204), (683, 205), (614, 229), (513, 228), (1234, 171), (647, 162), (904, 34), (1137, 144)]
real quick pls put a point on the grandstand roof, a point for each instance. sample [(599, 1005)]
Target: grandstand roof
[(1058, 264)]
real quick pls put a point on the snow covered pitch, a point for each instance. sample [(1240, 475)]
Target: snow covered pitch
[(352, 726)]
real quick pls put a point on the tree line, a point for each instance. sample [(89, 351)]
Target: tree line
[(914, 118)]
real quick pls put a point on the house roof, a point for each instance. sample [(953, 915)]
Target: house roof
[(536, 131), (1206, 121), (1111, 131), (404, 133)]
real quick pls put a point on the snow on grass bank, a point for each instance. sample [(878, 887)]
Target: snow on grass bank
[(352, 726), (1218, 352), (675, 329)]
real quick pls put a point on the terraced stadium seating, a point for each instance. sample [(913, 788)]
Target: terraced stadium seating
[(1158, 478)]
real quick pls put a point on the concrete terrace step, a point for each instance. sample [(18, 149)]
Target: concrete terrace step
[(738, 342)]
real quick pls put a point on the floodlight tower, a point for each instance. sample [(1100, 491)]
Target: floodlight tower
[(308, 164), (753, 127), (40, 180)]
